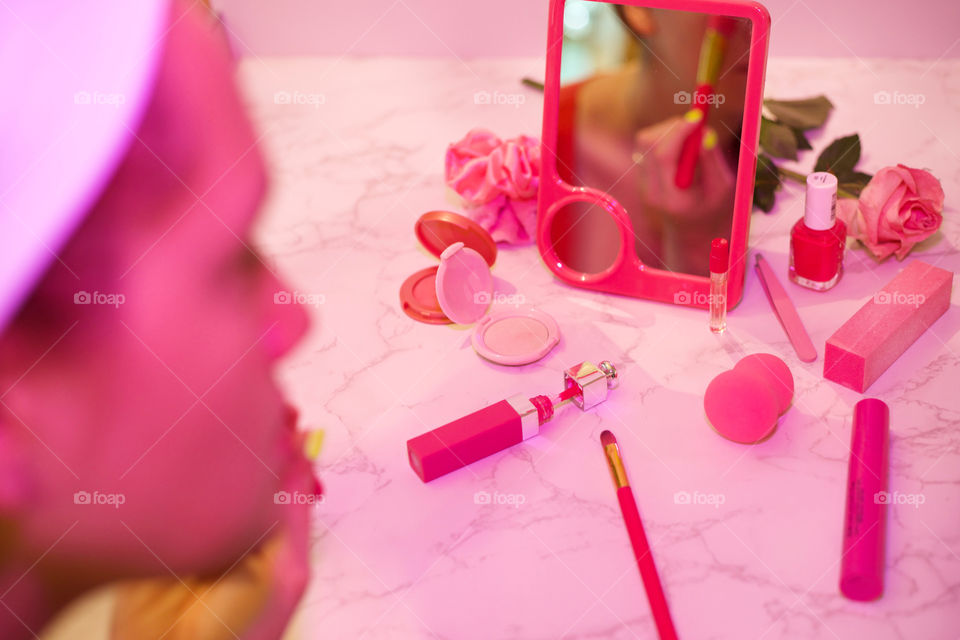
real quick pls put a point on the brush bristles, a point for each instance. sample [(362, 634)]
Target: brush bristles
[(607, 438)]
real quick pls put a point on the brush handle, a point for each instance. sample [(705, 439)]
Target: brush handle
[(648, 570)]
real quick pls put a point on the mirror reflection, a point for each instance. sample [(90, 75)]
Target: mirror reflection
[(650, 112)]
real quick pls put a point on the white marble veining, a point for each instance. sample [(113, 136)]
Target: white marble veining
[(399, 559)]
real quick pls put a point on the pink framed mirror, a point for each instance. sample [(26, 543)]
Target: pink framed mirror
[(650, 129)]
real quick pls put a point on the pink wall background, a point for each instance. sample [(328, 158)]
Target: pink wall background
[(827, 28)]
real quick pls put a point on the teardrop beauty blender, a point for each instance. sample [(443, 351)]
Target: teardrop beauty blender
[(776, 373), (741, 407)]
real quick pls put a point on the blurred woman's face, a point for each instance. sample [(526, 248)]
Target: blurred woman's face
[(150, 433)]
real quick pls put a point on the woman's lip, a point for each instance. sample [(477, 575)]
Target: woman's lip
[(291, 416)]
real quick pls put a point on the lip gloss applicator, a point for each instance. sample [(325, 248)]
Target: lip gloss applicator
[(506, 423)]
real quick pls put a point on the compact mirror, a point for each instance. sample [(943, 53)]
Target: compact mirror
[(651, 118)]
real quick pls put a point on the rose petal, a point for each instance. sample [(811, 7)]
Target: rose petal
[(927, 187), (848, 210), (883, 250)]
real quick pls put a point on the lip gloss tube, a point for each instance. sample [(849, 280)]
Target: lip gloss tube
[(505, 423), (719, 267), (864, 527)]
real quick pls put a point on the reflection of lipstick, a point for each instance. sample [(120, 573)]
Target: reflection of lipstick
[(712, 51), (504, 424)]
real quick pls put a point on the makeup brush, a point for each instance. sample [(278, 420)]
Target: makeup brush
[(638, 540)]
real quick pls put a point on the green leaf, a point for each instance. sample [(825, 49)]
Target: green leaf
[(777, 139), (764, 199), (766, 183), (809, 113), (802, 143), (841, 156), (853, 182)]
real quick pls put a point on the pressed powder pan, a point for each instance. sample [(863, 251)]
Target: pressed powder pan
[(515, 337), (460, 290)]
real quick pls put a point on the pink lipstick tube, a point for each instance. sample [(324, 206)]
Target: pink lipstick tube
[(506, 423), (864, 527)]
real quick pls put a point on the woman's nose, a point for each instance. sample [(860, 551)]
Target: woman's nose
[(287, 320)]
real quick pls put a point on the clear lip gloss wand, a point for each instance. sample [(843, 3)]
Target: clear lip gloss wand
[(506, 423), (719, 268)]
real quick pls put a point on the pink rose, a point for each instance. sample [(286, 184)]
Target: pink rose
[(898, 208), (498, 181)]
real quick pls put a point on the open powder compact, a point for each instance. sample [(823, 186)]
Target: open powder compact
[(436, 231), (460, 290)]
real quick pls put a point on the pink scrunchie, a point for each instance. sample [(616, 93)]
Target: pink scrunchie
[(498, 181)]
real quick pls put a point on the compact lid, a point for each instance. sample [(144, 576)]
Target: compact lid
[(515, 336), (464, 284), (437, 230)]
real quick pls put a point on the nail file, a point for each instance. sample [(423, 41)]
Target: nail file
[(785, 311)]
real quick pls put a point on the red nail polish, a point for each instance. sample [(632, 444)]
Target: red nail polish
[(818, 239)]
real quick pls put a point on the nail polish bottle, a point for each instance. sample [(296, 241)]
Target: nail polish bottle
[(818, 239)]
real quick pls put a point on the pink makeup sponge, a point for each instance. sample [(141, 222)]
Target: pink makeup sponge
[(774, 372), (741, 406)]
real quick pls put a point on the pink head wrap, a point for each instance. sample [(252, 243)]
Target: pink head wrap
[(76, 77)]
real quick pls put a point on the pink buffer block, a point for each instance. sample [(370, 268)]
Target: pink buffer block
[(869, 342)]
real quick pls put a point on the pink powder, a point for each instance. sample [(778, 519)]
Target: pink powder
[(516, 335)]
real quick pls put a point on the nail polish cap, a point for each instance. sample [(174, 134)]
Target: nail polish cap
[(820, 210)]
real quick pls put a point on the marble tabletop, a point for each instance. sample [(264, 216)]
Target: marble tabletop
[(530, 543)]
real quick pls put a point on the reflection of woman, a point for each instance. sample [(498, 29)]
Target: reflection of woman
[(621, 132)]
